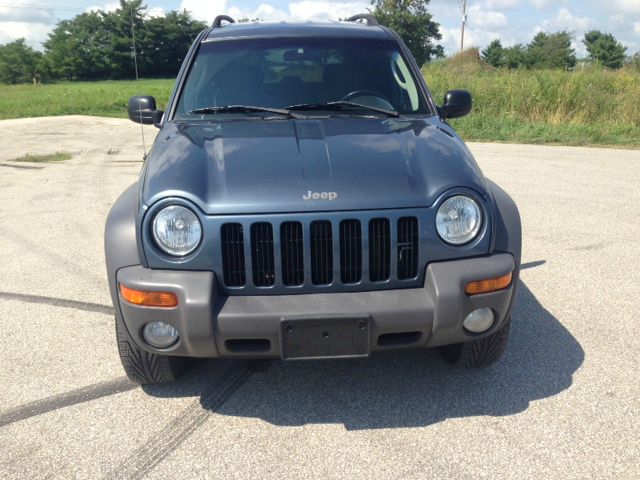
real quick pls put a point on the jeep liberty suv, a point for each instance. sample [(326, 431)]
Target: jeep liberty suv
[(306, 199)]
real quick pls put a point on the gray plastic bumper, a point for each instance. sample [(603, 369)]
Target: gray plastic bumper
[(212, 324)]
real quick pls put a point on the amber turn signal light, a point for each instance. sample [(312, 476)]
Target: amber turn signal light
[(491, 285), (149, 299)]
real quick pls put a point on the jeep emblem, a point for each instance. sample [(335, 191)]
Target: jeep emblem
[(320, 195)]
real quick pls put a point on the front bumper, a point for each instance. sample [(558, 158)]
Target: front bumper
[(212, 324)]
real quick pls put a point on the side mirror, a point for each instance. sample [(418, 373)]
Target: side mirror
[(142, 109), (457, 103)]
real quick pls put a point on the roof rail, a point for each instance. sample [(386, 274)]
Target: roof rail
[(371, 20), (217, 22)]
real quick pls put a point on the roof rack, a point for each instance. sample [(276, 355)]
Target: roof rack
[(371, 20), (217, 22)]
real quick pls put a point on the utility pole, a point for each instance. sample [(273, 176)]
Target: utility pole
[(464, 22)]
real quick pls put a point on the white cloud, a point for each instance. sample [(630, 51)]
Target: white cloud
[(478, 17), (542, 4), (565, 20), (636, 27), (34, 33), (107, 7), (627, 6), (301, 11), (156, 12), (206, 11), (473, 37), (25, 11), (323, 10), (617, 20), (264, 12), (501, 3)]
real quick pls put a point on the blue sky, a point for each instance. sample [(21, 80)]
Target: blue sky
[(513, 21)]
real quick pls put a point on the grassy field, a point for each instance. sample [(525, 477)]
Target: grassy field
[(590, 107), (107, 99)]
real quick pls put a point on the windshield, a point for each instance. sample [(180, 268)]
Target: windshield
[(288, 72)]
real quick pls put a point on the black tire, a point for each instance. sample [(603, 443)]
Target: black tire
[(147, 368), (478, 353)]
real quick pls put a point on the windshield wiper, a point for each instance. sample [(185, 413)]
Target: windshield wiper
[(244, 109), (342, 105)]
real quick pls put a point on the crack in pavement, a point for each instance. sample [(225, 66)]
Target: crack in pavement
[(23, 167), (66, 399), (145, 458), (59, 302)]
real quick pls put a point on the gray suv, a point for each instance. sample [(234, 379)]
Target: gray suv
[(306, 199)]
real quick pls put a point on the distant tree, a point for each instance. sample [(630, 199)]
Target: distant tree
[(516, 57), (551, 50), (604, 49), (634, 61), (165, 42), (494, 54), (19, 63), (122, 24), (78, 48), (412, 21), (99, 45)]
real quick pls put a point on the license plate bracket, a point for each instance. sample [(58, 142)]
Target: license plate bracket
[(316, 338)]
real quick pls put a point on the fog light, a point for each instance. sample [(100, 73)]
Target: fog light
[(479, 320), (160, 334)]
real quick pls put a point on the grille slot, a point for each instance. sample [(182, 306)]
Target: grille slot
[(350, 251), (233, 254), (292, 253), (408, 245), (379, 250), (321, 253), (262, 262)]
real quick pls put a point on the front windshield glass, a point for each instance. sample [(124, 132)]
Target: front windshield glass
[(284, 72)]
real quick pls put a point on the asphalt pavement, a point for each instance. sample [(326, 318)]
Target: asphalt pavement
[(564, 402)]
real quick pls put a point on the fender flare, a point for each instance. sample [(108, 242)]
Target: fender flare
[(507, 235), (507, 224), (120, 237)]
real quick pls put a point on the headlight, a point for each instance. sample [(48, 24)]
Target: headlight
[(458, 220), (177, 230)]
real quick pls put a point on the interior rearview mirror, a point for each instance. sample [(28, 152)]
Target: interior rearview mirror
[(142, 109), (457, 103)]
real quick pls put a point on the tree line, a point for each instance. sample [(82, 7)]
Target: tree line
[(553, 50), (98, 45)]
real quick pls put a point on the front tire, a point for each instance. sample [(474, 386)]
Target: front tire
[(478, 353), (147, 368)]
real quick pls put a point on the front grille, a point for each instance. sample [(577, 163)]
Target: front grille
[(407, 248), (264, 273), (292, 253), (319, 253), (379, 250), (350, 251), (233, 254)]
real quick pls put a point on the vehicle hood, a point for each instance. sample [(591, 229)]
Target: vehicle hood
[(274, 166)]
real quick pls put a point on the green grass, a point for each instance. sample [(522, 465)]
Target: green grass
[(53, 157), (590, 107), (107, 99)]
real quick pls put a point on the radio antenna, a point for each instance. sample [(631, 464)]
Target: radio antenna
[(135, 65)]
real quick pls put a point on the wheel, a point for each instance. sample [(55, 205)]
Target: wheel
[(478, 353), (143, 367)]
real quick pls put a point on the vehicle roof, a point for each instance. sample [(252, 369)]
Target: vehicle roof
[(307, 29)]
